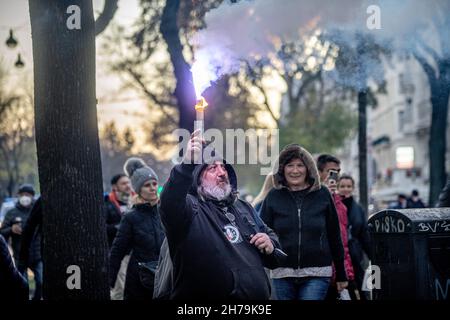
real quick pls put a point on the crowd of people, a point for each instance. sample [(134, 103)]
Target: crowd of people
[(198, 240)]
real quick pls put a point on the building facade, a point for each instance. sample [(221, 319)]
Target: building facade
[(398, 135)]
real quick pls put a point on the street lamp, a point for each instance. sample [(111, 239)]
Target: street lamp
[(11, 42), (19, 63)]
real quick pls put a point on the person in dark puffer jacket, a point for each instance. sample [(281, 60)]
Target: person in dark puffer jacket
[(140, 232)]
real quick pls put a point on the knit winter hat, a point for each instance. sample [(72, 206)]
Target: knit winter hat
[(26, 188), (139, 173)]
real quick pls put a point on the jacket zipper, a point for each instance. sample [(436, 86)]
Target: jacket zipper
[(299, 210)]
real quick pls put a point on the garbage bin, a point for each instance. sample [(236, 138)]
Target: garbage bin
[(411, 248)]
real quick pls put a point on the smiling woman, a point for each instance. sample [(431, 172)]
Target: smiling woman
[(303, 215), (295, 173)]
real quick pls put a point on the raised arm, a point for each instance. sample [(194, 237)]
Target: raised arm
[(175, 206), (175, 210)]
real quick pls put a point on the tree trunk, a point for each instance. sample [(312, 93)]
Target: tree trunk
[(68, 152), (11, 185), (362, 144), (184, 91), (440, 92)]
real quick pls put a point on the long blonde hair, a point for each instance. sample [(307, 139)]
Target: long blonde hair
[(267, 186)]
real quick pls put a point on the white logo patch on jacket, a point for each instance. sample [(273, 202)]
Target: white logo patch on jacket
[(232, 233)]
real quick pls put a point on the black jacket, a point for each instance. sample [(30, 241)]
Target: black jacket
[(31, 232), (415, 204), (141, 233), (20, 212), (314, 240), (212, 259), (358, 233), (113, 217), (13, 286)]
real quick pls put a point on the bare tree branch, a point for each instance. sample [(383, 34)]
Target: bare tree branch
[(305, 84), (428, 49), (6, 104), (321, 97), (185, 38), (258, 85), (151, 95), (109, 10), (429, 71), (184, 89)]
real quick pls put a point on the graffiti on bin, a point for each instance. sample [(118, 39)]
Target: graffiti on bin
[(434, 227), (390, 224)]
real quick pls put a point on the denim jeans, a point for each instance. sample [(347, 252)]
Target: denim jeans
[(307, 288)]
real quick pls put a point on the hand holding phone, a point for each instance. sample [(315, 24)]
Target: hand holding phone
[(333, 175), (332, 180)]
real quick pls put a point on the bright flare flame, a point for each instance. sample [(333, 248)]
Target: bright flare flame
[(203, 74), (201, 104)]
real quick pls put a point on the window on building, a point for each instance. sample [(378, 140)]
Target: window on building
[(404, 157), (408, 113), (406, 85)]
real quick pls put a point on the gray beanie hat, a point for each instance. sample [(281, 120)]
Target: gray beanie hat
[(139, 173)]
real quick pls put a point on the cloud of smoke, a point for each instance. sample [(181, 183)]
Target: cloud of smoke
[(246, 29)]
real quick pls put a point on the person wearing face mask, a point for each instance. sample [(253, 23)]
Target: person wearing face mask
[(140, 232), (16, 218), (12, 227)]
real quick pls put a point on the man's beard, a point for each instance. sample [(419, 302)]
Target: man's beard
[(123, 196), (216, 191)]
